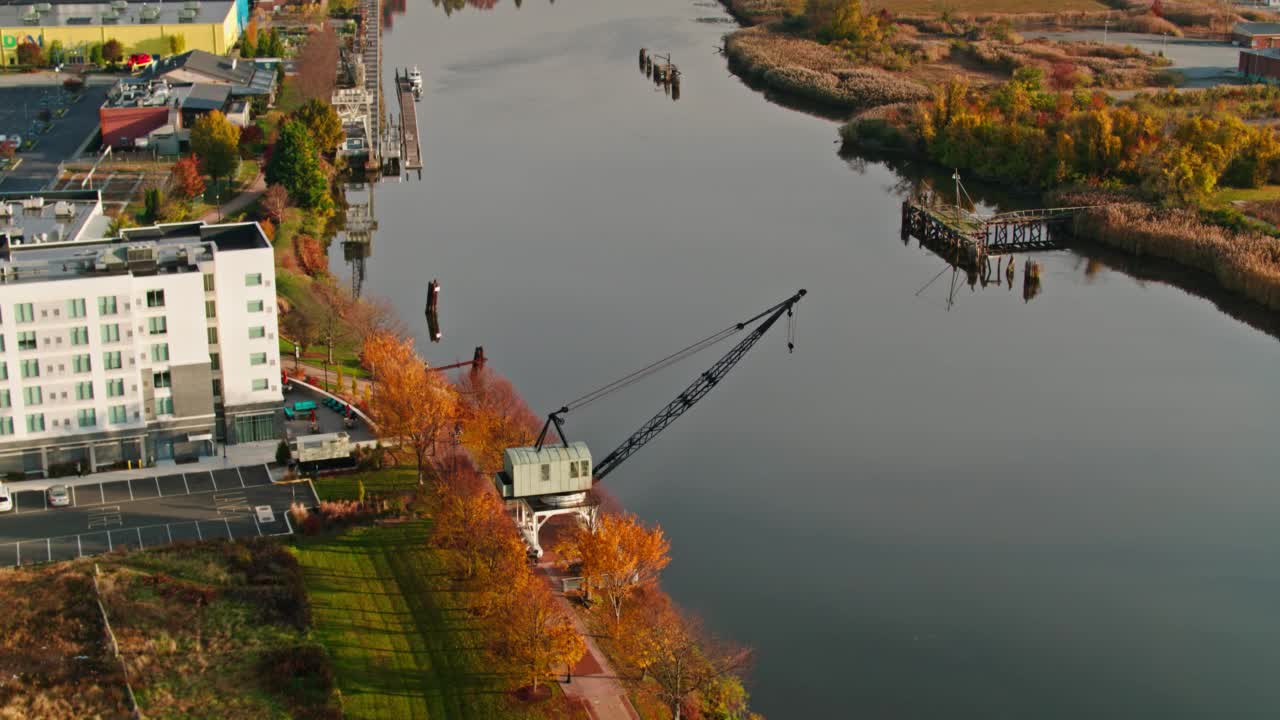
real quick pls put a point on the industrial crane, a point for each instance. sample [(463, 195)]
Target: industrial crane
[(697, 390)]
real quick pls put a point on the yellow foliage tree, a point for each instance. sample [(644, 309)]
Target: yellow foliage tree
[(536, 636)]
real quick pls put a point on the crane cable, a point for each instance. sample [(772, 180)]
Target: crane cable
[(672, 359)]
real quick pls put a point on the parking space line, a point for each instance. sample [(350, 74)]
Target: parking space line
[(184, 483), (48, 549), (240, 475), (199, 534), (109, 545), (130, 486), (18, 547), (79, 547), (158, 493), (230, 535), (254, 515), (139, 529), (168, 531)]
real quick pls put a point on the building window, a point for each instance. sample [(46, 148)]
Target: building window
[(217, 387), (115, 388), (257, 332), (30, 368), (546, 472), (84, 391), (81, 364), (258, 359), (162, 379), (4, 371), (215, 362), (254, 428), (111, 360), (35, 423), (260, 384), (155, 298), (252, 279), (157, 326), (213, 336), (75, 308), (210, 309), (164, 406), (208, 282), (32, 396), (586, 468), (118, 414), (160, 352), (107, 305), (255, 306), (80, 336), (24, 312), (1, 343), (87, 417), (27, 340), (111, 333), (6, 426), (4, 399)]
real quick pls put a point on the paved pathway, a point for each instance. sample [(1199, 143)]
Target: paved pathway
[(246, 198), (594, 682)]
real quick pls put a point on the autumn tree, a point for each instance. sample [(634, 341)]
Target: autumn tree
[(274, 202), (216, 142), (301, 329), (536, 637), (30, 54), (497, 418), (619, 557), (411, 405), (311, 255), (687, 662), (322, 123), (316, 62), (186, 177), (249, 43), (112, 51)]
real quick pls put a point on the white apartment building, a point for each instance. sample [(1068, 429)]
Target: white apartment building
[(145, 347)]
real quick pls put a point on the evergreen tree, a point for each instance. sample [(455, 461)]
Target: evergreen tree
[(295, 165)]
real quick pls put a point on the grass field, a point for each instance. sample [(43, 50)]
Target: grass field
[(403, 645), (382, 482)]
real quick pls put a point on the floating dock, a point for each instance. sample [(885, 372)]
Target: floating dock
[(410, 148), (970, 237)]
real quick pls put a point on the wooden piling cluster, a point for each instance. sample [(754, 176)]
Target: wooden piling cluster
[(666, 75), (959, 239)]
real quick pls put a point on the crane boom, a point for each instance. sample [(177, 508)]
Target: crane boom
[(692, 394)]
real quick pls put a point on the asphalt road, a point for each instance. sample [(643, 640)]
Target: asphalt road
[(145, 513)]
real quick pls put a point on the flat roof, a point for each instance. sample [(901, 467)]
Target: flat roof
[(77, 12), (1257, 28)]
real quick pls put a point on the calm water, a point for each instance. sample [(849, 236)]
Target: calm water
[(983, 508)]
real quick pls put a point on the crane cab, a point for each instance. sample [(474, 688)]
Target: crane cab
[(556, 475)]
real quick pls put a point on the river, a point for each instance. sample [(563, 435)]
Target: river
[(948, 502)]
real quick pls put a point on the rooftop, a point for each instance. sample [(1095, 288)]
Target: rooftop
[(33, 249), (1257, 28), (253, 77), (15, 13)]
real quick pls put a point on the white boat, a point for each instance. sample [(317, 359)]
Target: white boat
[(415, 82)]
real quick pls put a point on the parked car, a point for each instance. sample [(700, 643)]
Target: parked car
[(140, 61), (6, 500), (59, 496)]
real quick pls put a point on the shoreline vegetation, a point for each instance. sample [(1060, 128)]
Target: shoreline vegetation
[(1192, 177)]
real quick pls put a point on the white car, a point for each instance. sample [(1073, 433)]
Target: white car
[(58, 496), (6, 500)]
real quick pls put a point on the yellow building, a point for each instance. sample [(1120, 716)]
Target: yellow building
[(210, 25)]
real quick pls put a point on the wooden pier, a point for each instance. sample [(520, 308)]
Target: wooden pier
[(968, 237), (410, 148)]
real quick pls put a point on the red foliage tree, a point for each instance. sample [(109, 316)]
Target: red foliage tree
[(1157, 8), (186, 177)]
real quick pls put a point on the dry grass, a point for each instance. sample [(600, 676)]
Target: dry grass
[(987, 6), (1093, 64), (1246, 263), (816, 72)]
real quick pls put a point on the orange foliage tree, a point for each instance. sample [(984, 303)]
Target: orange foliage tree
[(535, 636), (619, 557), (274, 202), (186, 177), (411, 405), (496, 418), (311, 255)]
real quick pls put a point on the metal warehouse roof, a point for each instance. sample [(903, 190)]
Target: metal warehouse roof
[(548, 454), (1257, 28)]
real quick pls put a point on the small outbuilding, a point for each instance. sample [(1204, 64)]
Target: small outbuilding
[(1256, 34), (1262, 64), (553, 470)]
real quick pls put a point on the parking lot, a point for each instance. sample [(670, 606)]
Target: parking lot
[(119, 185), (147, 512), (19, 107)]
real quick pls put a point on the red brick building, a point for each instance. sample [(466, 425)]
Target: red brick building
[(1261, 64), (1256, 35)]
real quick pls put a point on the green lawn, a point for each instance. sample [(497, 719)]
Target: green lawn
[(403, 646), (380, 482)]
